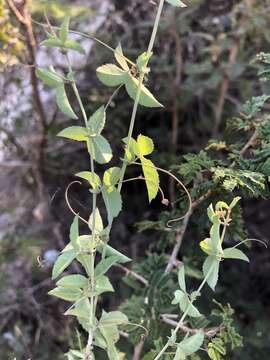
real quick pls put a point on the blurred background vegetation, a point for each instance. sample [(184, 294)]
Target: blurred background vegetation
[(204, 75)]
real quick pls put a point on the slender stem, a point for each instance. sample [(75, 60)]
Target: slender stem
[(88, 350), (131, 127), (141, 79), (155, 28), (184, 315)]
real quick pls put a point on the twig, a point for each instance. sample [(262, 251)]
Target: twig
[(225, 86), (138, 349), (23, 16), (181, 232), (133, 274), (208, 332)]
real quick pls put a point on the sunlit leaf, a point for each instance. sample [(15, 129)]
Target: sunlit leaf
[(211, 271), (151, 177), (233, 253), (111, 176), (145, 145), (77, 133), (92, 178), (119, 56), (177, 3), (98, 222), (100, 149), (146, 98), (111, 75), (96, 122)]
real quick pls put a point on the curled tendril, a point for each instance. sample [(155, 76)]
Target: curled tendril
[(140, 326), (182, 186), (255, 240), (68, 202)]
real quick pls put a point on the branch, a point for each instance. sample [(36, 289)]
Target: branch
[(225, 86), (208, 332), (133, 274), (23, 16), (138, 349), (181, 232)]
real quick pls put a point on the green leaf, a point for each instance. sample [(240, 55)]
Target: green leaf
[(113, 318), (49, 77), (181, 278), (234, 202), (184, 302), (111, 75), (52, 42), (103, 284), (146, 98), (142, 61), (215, 235), (86, 261), (110, 251), (86, 243), (96, 122), (211, 264), (233, 253), (77, 133), (92, 178), (100, 149), (104, 265), (120, 58), (145, 145), (73, 45), (98, 222), (255, 104), (66, 293), (74, 231), (63, 102), (63, 32), (81, 309), (62, 262), (179, 355), (111, 176), (191, 344), (72, 281), (176, 3), (113, 202), (151, 178)]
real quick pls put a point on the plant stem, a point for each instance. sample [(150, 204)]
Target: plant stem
[(184, 315), (141, 79), (88, 350)]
